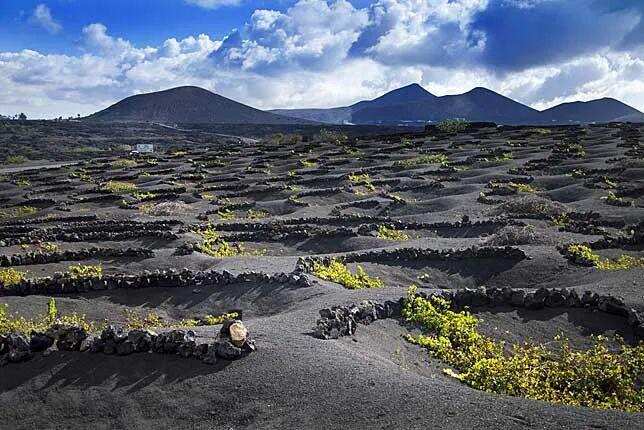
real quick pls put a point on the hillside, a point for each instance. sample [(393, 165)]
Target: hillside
[(413, 104), (187, 105), (601, 110)]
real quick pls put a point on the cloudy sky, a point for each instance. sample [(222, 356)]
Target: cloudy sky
[(65, 57)]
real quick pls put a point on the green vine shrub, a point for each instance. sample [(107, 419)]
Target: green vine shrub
[(597, 377), (583, 254), (336, 271), (17, 324)]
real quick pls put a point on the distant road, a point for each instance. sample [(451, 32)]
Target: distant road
[(51, 165), (230, 136)]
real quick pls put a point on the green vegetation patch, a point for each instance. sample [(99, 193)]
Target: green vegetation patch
[(387, 233), (452, 125), (598, 377), (18, 324), (123, 163), (441, 159), (584, 254), (17, 212), (363, 179), (85, 271), (336, 271), (10, 277), (214, 245), (522, 188), (612, 199), (256, 214), (119, 187), (16, 159)]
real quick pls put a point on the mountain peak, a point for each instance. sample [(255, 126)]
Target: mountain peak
[(600, 110), (408, 94), (411, 89), (187, 104), (482, 90)]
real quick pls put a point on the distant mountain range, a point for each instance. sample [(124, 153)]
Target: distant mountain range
[(187, 105), (413, 104)]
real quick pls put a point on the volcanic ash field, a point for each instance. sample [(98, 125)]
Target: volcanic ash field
[(267, 285)]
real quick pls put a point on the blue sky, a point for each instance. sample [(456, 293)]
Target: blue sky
[(62, 57)]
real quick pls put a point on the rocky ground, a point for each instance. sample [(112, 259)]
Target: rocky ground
[(487, 207)]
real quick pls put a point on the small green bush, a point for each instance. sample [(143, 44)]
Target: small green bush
[(584, 254), (612, 199), (16, 159), (84, 271), (362, 179), (23, 182), (118, 187), (17, 212), (136, 321), (441, 159), (331, 136), (452, 125), (256, 214), (226, 214), (214, 245), (387, 233), (123, 163), (11, 277), (17, 324), (522, 188), (337, 272), (597, 377)]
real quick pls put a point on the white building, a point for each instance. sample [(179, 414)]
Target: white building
[(145, 148)]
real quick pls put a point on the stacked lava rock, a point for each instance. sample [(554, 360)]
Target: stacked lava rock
[(234, 342), (342, 320)]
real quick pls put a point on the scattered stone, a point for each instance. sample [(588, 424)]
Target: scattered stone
[(125, 348), (40, 342), (237, 333), (210, 357), (70, 338), (228, 351)]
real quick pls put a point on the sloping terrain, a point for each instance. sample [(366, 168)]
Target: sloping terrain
[(383, 203), (413, 104), (187, 105), (602, 110)]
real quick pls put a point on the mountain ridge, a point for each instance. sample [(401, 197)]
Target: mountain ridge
[(411, 104), (477, 104), (187, 104)]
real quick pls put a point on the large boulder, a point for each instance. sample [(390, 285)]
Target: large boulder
[(71, 338), (238, 333), (170, 341), (125, 348), (141, 339), (40, 341), (228, 351), (18, 347), (234, 342)]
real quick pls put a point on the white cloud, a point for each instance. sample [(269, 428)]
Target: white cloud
[(314, 54), (423, 31), (42, 17), (213, 4), (312, 34)]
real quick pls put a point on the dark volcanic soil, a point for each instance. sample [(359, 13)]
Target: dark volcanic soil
[(287, 201)]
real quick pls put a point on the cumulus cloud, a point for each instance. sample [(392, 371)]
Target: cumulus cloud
[(312, 34), (324, 53), (213, 4), (42, 17), (434, 32)]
